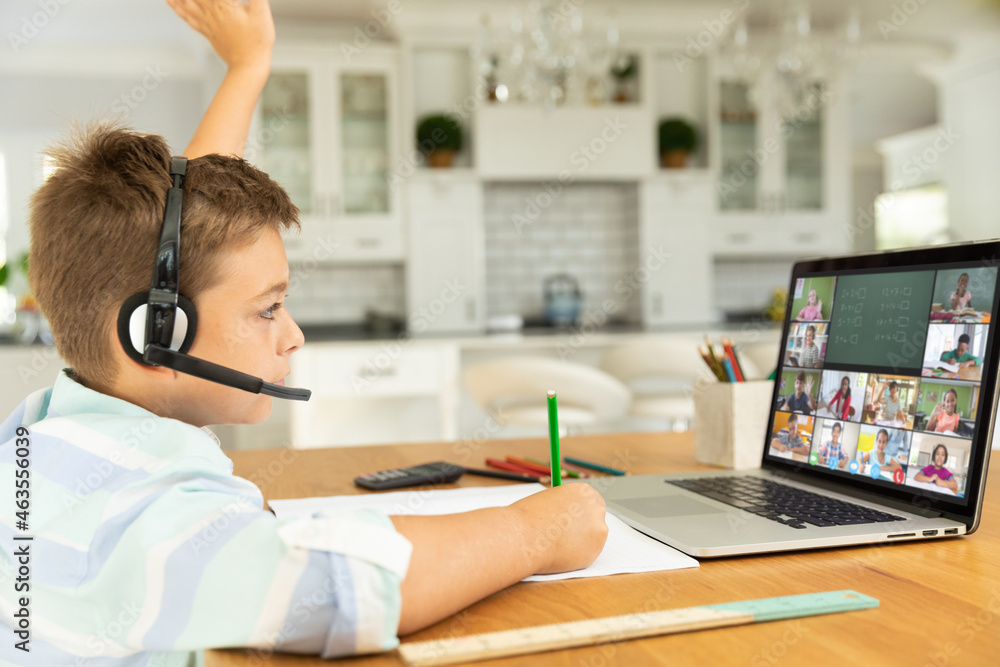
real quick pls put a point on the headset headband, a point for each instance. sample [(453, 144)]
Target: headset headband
[(163, 288)]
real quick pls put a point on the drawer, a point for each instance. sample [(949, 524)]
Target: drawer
[(392, 368)]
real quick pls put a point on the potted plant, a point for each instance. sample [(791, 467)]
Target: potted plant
[(677, 139), (439, 137), (624, 71)]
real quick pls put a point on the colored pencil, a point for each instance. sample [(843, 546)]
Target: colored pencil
[(565, 471), (736, 361), (512, 467), (554, 458), (593, 466), (727, 346), (728, 366), (512, 476), (539, 468), (711, 365)]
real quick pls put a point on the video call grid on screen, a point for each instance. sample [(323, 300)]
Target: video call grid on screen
[(881, 376)]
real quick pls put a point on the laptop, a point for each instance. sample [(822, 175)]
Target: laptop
[(881, 419)]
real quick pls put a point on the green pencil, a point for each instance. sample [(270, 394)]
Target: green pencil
[(554, 459)]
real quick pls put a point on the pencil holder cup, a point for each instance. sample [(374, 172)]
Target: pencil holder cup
[(730, 423)]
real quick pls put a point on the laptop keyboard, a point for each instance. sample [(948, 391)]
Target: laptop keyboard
[(785, 504)]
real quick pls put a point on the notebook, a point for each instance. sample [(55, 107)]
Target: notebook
[(906, 459)]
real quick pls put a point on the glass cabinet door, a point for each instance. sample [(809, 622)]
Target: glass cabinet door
[(737, 140), (804, 154), (364, 132), (285, 136)]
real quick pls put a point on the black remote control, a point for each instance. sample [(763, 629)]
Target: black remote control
[(439, 472)]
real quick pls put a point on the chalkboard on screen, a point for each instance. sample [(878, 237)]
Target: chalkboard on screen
[(880, 319)]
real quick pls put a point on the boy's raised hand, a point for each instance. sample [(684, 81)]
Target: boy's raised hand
[(241, 33)]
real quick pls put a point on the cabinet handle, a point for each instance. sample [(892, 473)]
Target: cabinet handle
[(805, 237), (740, 238), (470, 310), (368, 242)]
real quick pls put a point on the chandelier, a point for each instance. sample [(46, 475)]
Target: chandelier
[(545, 55), (791, 63)]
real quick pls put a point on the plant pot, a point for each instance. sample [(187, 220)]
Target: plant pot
[(441, 159), (675, 159)]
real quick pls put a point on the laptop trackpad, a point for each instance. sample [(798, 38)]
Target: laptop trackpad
[(660, 506)]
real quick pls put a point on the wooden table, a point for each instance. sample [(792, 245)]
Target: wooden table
[(940, 600)]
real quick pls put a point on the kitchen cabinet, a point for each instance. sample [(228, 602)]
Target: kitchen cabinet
[(614, 141), (675, 254), (783, 185), (327, 129), (355, 386), (445, 274)]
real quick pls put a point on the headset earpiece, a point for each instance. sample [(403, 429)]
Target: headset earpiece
[(132, 326)]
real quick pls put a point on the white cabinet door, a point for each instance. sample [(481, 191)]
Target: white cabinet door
[(445, 271), (328, 131), (675, 255)]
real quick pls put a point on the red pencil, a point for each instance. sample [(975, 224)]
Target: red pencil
[(512, 467), (727, 345), (535, 467)]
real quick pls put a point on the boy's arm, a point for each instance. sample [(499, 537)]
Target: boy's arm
[(458, 559), (243, 36)]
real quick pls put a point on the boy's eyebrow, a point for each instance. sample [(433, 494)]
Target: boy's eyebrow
[(273, 289)]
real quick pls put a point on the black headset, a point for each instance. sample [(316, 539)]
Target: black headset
[(157, 328)]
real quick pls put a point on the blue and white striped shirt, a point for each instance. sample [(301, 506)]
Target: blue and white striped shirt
[(146, 548)]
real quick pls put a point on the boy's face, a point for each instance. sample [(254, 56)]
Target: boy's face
[(242, 324), (962, 348)]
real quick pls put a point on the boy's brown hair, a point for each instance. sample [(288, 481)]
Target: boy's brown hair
[(95, 225)]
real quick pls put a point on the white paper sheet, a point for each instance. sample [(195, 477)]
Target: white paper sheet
[(627, 550)]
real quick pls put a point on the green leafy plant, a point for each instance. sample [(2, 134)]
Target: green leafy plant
[(439, 133), (8, 269), (625, 67), (676, 134)]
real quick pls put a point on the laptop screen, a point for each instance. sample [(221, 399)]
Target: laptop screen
[(881, 378)]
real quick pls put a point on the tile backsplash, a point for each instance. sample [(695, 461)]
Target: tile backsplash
[(342, 294), (588, 230)]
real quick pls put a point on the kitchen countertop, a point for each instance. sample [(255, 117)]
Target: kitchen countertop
[(542, 336)]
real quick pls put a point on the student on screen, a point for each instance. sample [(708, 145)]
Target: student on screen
[(884, 461), (891, 402), (813, 310), (809, 356), (961, 355), (961, 298), (801, 400), (840, 402), (790, 440), (944, 417), (833, 449), (935, 472)]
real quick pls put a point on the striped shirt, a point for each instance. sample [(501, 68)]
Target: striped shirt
[(146, 548), (809, 356)]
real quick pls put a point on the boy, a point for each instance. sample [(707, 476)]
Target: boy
[(145, 547), (801, 400), (961, 355), (792, 440)]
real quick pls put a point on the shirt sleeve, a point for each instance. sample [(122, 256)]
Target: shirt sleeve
[(201, 565)]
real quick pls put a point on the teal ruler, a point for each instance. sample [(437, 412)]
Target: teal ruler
[(631, 626)]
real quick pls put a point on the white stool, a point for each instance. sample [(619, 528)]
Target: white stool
[(514, 388), (661, 375)]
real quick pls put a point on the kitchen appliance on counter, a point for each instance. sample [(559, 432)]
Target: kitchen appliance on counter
[(563, 300)]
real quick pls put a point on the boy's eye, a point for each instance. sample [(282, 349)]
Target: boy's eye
[(268, 314)]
